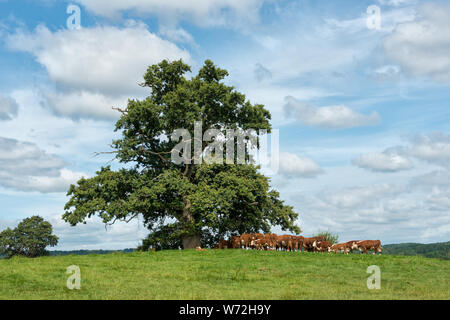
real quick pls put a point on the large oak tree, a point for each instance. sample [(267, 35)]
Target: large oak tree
[(183, 202)]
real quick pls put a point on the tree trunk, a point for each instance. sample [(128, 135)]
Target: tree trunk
[(191, 241)]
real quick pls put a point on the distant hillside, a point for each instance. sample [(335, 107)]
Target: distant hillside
[(85, 252), (432, 250)]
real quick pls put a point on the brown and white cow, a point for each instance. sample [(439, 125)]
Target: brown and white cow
[(246, 240), (266, 242), (271, 239), (351, 245), (256, 239), (285, 242), (308, 243), (337, 247), (366, 245), (322, 246)]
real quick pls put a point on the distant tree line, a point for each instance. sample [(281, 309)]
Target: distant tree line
[(86, 252), (432, 250)]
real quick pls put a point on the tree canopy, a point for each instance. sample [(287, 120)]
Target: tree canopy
[(185, 201), (29, 238)]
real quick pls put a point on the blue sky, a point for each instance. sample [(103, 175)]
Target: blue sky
[(363, 113)]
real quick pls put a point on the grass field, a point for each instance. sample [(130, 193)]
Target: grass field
[(225, 274)]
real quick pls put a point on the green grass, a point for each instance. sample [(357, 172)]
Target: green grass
[(225, 274)]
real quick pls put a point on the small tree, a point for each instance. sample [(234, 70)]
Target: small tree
[(329, 236), (29, 238)]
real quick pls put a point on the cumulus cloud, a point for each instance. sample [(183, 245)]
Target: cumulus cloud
[(439, 199), (25, 167), (8, 108), (391, 212), (96, 66), (331, 117), (433, 148), (441, 231), (294, 165), (388, 161), (361, 196), (176, 35), (200, 12), (421, 47), (79, 104)]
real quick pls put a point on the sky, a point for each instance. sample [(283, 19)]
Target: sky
[(359, 91)]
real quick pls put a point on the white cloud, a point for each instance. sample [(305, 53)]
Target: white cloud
[(47, 184), (387, 71), (25, 167), (85, 104), (439, 199), (442, 231), (359, 197), (176, 35), (434, 148), (332, 44), (331, 117), (98, 65), (391, 212), (434, 178), (387, 161), (397, 3), (401, 205), (74, 141), (273, 96), (392, 209), (200, 12), (421, 47), (294, 165), (8, 108), (389, 19)]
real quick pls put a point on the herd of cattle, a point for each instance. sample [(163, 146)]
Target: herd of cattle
[(271, 241)]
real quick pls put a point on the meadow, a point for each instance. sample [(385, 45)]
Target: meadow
[(224, 274)]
